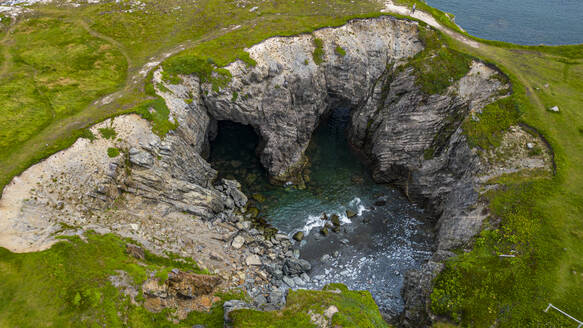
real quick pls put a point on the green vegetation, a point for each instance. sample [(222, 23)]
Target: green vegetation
[(52, 69), (355, 309), (445, 19), (108, 133), (112, 152), (318, 54), (438, 66), (158, 114), (204, 68), (68, 286), (340, 51), (87, 134), (486, 130)]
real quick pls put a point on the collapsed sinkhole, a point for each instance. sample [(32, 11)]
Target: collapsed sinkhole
[(382, 235)]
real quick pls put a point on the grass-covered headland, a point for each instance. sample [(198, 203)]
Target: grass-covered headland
[(57, 63)]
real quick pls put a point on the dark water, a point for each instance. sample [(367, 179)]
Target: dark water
[(373, 250), (529, 22)]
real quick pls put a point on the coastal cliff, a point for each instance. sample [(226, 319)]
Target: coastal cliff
[(155, 185)]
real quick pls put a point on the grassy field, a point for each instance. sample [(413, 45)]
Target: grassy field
[(55, 65)]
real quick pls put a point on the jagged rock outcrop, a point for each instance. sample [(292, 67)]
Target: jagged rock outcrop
[(182, 291)]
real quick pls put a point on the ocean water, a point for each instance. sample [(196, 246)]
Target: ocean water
[(528, 22), (373, 249)]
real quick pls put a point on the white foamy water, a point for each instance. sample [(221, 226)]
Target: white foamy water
[(315, 221)]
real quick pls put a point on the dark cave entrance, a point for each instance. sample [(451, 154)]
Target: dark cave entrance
[(234, 154)]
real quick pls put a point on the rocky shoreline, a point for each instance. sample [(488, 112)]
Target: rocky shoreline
[(162, 192)]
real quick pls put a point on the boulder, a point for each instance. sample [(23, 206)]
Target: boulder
[(238, 242), (233, 305), (252, 212), (298, 236), (233, 189), (335, 220), (380, 202), (289, 281), (293, 266), (258, 197), (330, 311), (191, 285), (253, 260), (350, 213)]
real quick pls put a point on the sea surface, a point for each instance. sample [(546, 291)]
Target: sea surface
[(528, 22), (373, 250)]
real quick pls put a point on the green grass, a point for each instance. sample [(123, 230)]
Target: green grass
[(487, 129), (340, 51), (204, 68), (57, 69), (56, 63), (318, 54), (438, 66), (63, 59), (355, 309), (112, 152), (107, 133), (158, 114), (68, 286), (445, 19)]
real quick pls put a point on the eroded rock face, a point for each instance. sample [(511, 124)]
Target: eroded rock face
[(286, 94)]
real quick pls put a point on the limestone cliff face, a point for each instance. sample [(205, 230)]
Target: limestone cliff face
[(286, 95)]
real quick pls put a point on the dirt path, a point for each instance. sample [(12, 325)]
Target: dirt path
[(390, 7)]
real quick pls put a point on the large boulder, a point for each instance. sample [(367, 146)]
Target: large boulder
[(293, 266)]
